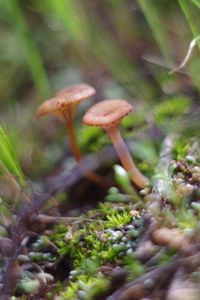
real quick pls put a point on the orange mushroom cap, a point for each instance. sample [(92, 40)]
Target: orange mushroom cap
[(66, 98), (107, 113)]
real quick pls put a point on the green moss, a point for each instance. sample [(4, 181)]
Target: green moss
[(85, 289), (186, 219), (133, 266), (181, 149), (92, 138), (116, 219), (103, 241), (134, 120), (171, 107)]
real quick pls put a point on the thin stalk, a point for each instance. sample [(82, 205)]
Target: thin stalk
[(72, 138), (192, 17), (77, 153), (137, 177)]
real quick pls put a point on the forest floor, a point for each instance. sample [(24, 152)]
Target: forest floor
[(132, 245)]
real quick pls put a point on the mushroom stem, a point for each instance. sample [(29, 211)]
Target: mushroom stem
[(137, 177), (77, 153), (72, 138)]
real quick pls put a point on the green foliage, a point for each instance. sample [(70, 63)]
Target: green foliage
[(186, 219), (8, 160), (122, 178), (196, 206), (171, 108), (144, 150), (91, 245), (98, 43), (125, 184), (29, 286), (133, 266), (154, 19), (134, 120), (86, 289), (181, 149), (115, 196), (188, 11), (92, 138), (116, 219), (5, 213), (196, 2), (145, 154), (31, 52)]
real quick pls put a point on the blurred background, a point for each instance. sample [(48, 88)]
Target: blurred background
[(125, 49)]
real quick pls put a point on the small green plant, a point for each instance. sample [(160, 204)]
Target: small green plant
[(9, 164), (86, 289), (116, 219), (181, 149), (91, 138), (133, 266), (186, 219), (4, 212), (171, 107), (122, 178)]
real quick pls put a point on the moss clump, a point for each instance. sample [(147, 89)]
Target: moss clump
[(108, 240), (171, 107), (86, 288)]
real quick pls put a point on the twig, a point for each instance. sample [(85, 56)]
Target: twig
[(45, 219), (138, 287), (188, 55)]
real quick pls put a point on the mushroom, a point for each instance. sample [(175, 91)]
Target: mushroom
[(107, 115), (64, 105)]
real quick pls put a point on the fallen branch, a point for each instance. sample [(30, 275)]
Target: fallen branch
[(138, 288)]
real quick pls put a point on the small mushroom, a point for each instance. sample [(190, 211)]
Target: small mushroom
[(64, 105), (107, 115)]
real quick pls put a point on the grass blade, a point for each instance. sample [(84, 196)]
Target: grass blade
[(8, 159), (191, 18), (154, 20), (196, 2), (32, 54), (88, 34)]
